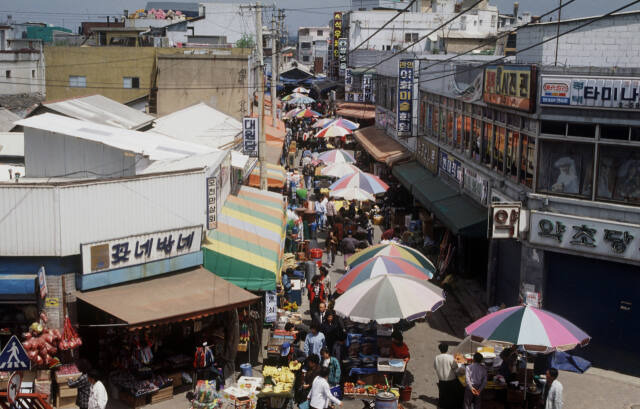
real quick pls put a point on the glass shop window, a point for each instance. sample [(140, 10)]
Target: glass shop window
[(565, 168), (619, 174)]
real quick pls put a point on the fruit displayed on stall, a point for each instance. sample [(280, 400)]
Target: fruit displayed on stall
[(295, 365), (281, 377), (42, 343), (293, 306)]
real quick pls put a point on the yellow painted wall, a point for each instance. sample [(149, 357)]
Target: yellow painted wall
[(218, 80)]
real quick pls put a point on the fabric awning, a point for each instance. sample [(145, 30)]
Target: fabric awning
[(276, 176), (382, 147), (356, 113), (176, 297), (459, 213), (247, 246), (18, 287)]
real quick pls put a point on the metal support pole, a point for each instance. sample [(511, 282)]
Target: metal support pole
[(274, 66), (558, 32), (262, 145)]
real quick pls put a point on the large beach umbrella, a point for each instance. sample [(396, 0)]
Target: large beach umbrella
[(388, 299), (530, 327), (393, 250), (307, 113), (367, 182), (345, 123), (381, 265), (291, 96), (301, 100), (336, 156), (301, 90), (321, 123), (292, 113), (353, 193), (333, 131), (338, 170)]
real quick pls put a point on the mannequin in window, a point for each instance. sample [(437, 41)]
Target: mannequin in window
[(567, 180)]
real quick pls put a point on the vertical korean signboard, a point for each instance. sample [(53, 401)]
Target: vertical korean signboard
[(250, 136), (212, 203), (366, 87), (405, 95), (335, 40), (343, 45), (348, 79)]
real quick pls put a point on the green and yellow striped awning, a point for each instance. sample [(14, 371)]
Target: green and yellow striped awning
[(247, 246)]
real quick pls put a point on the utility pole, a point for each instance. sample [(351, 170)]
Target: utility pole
[(558, 32), (274, 66), (262, 145)]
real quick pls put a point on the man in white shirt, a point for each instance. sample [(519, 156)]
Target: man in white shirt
[(320, 395), (98, 397), (446, 366), (553, 390)]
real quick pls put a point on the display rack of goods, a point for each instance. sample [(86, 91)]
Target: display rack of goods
[(278, 380)]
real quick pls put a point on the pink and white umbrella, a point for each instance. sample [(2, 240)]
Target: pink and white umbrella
[(345, 123), (367, 182), (301, 90), (333, 131), (321, 123), (336, 156), (293, 112), (338, 170)]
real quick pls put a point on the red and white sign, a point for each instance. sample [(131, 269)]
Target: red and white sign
[(13, 388), (506, 220)]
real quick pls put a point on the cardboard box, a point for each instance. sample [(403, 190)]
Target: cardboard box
[(65, 391), (66, 378), (65, 402)]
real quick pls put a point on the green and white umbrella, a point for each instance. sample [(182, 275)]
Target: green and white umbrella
[(387, 299)]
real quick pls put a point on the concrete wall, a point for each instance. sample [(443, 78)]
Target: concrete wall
[(610, 42), (461, 45), (104, 68), (26, 73), (218, 80), (226, 19)]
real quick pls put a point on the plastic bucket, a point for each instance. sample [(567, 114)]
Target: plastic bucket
[(246, 369), (386, 400), (405, 394), (315, 253)]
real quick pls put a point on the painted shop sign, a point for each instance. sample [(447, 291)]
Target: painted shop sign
[(451, 166), (141, 249), (212, 203), (343, 45), (367, 87), (405, 97), (591, 236), (511, 86), (590, 92), (477, 185), (348, 80), (427, 155), (250, 136)]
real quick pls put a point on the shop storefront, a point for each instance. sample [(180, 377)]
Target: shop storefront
[(383, 151), (145, 335)]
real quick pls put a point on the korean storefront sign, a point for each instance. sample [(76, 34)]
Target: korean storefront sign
[(212, 203), (343, 45), (451, 166), (505, 220), (477, 185), (592, 236), (250, 136), (353, 97), (270, 306), (135, 250), (405, 97), (348, 80), (590, 92), (367, 81), (512, 86), (335, 38), (427, 155)]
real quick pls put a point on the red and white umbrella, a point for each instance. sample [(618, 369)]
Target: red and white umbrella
[(333, 131), (339, 169)]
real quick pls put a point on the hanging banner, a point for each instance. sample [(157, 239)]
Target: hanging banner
[(271, 306), (335, 37), (212, 203), (451, 166), (511, 86), (348, 79), (590, 92), (405, 97), (470, 93), (367, 79), (250, 136), (42, 282)]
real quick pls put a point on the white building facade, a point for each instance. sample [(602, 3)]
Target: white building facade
[(313, 43), (22, 68)]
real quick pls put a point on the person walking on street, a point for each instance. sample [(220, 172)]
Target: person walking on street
[(348, 245), (317, 294), (331, 243), (98, 397), (332, 363), (553, 390), (314, 341), (476, 379), (320, 395), (445, 366), (330, 211)]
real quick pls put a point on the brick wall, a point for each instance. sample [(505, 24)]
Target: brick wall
[(610, 42)]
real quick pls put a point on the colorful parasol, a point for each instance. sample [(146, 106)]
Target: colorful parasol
[(530, 327), (301, 100), (367, 182), (345, 123), (387, 299), (301, 90), (393, 250), (336, 156), (378, 266), (333, 131), (338, 170), (292, 113), (307, 113), (321, 123)]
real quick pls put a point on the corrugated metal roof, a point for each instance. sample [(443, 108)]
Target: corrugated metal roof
[(200, 124), (239, 160), (151, 144), (101, 110), (11, 144), (207, 160), (7, 118)]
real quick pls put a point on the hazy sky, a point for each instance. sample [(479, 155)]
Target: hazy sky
[(299, 12)]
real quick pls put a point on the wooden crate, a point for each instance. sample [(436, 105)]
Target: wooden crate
[(162, 395), (133, 401), (177, 378), (65, 402), (66, 378), (65, 391)]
